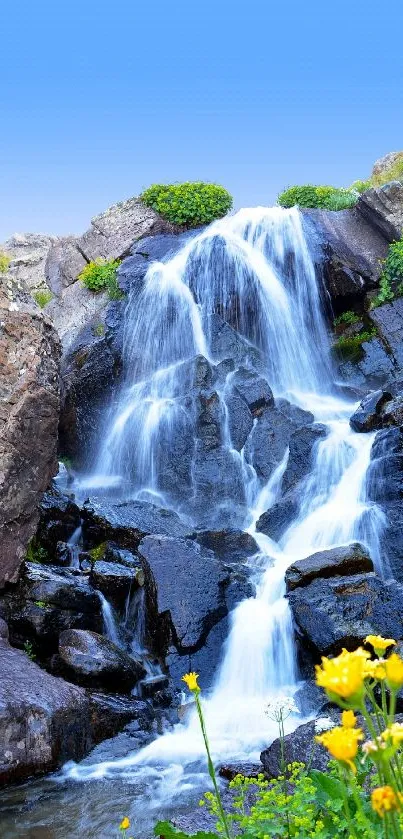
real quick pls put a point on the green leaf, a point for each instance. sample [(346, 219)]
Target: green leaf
[(326, 786), (167, 831)]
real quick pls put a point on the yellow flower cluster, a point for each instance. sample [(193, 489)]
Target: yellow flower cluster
[(342, 741), (380, 644), (384, 799), (343, 677), (190, 680)]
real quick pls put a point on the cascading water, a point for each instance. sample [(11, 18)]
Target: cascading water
[(254, 271)]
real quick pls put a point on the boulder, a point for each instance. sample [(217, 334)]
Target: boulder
[(301, 453), (128, 522), (116, 581), (348, 559), (110, 713), (341, 611), (388, 320), (43, 723), (268, 441), (254, 389), (384, 163), (382, 207), (59, 518), (385, 488), (275, 521), (367, 416), (27, 270), (29, 359), (300, 747), (231, 546), (46, 602), (94, 661)]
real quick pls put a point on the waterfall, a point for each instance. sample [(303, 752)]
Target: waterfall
[(255, 271), (111, 629)]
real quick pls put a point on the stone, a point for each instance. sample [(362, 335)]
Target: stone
[(300, 747), (59, 518), (218, 499), (116, 581), (128, 522), (254, 389), (301, 445), (268, 441), (226, 343), (388, 320), (275, 521), (229, 771), (64, 262), (111, 713), (349, 559), (94, 661), (27, 269), (43, 723), (367, 416), (341, 611), (240, 420), (384, 163), (231, 546), (74, 310), (385, 488), (29, 359), (382, 207)]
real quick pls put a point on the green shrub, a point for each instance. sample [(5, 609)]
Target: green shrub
[(29, 650), (349, 318), (361, 186), (350, 346), (98, 552), (42, 297), (98, 330), (101, 276), (391, 279), (36, 553), (393, 173), (4, 262), (189, 204), (317, 197)]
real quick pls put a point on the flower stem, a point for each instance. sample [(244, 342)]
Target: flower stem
[(211, 769)]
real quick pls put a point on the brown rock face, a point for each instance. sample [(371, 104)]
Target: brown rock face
[(29, 405)]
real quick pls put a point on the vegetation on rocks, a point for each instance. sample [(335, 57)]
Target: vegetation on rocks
[(318, 197), (350, 345), (360, 796), (42, 297), (189, 204), (391, 279), (100, 275), (4, 262), (348, 318)]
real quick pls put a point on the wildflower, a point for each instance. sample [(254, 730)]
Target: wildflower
[(394, 733), (190, 680), (383, 799), (342, 743), (394, 671), (380, 644), (343, 676), (281, 708), (323, 724), (348, 719), (374, 748), (124, 824), (375, 669)]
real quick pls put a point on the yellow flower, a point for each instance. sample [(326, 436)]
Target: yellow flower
[(375, 669), (380, 644), (394, 733), (394, 671), (383, 799), (124, 824), (343, 676), (342, 743), (348, 719), (191, 680)]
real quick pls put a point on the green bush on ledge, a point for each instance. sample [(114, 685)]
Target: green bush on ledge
[(189, 204), (4, 262), (101, 276), (318, 197)]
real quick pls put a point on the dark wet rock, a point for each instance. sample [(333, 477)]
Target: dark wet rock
[(121, 556), (240, 420), (339, 612), (59, 518), (111, 713), (275, 521), (301, 445), (4, 633), (392, 413), (94, 661), (47, 601), (388, 320), (231, 546), (385, 488), (218, 489), (267, 443), (254, 389), (128, 522), (227, 343), (300, 747), (368, 415), (373, 370), (382, 207), (116, 581), (44, 721), (229, 771), (309, 698), (64, 555), (185, 586), (29, 362), (348, 559), (209, 421)]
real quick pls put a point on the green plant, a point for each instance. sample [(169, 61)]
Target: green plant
[(320, 197), (188, 204), (101, 275), (98, 330), (42, 297), (35, 552), (4, 262), (41, 604), (394, 172), (98, 552), (351, 345), (29, 650), (67, 461), (349, 318), (361, 186)]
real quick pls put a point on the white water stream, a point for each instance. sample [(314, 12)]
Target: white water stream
[(256, 266)]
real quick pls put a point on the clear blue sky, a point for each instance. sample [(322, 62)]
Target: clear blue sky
[(98, 99)]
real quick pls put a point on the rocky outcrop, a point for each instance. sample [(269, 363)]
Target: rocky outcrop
[(116, 581), (43, 722), (349, 559), (128, 522), (339, 612), (93, 661), (382, 207), (384, 163), (29, 359), (28, 253), (385, 488)]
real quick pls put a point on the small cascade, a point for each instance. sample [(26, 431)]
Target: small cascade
[(74, 545), (111, 628)]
